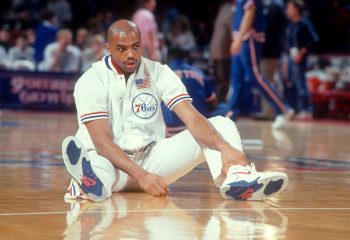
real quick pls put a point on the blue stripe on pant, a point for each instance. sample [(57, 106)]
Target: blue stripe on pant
[(246, 65)]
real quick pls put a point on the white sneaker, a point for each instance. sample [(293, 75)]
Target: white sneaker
[(245, 183), (283, 119), (280, 121), (79, 167), (74, 192)]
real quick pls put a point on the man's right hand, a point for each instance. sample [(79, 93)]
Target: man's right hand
[(154, 185)]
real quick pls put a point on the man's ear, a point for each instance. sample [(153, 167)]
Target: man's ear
[(108, 48)]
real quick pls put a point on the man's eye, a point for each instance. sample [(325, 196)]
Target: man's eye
[(120, 49), (136, 47)]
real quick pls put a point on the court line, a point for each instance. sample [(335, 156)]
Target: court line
[(176, 210)]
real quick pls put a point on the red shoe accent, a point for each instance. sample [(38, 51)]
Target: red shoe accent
[(88, 182), (247, 194)]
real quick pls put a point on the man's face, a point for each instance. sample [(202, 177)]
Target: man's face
[(126, 50), (291, 11), (152, 5)]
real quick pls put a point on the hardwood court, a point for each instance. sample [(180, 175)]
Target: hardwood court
[(316, 205)]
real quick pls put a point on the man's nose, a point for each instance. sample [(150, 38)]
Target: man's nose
[(129, 53)]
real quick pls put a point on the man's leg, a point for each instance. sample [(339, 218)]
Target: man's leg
[(94, 174), (222, 75), (303, 95), (251, 52), (174, 157), (269, 67), (237, 83)]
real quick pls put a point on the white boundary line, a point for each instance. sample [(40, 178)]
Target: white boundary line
[(177, 210)]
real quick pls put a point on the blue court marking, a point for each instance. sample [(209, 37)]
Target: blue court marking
[(37, 160), (9, 124), (315, 163), (31, 163)]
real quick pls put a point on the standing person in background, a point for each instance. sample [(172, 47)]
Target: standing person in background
[(181, 35), (145, 20), (299, 40), (45, 34), (246, 50), (219, 45), (61, 56), (273, 46)]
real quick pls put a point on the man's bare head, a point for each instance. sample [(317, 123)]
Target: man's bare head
[(122, 27), (125, 45)]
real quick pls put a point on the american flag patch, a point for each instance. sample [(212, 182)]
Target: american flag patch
[(143, 83)]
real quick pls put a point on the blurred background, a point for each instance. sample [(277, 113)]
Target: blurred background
[(31, 78)]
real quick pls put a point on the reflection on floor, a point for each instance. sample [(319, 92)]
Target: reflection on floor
[(33, 180)]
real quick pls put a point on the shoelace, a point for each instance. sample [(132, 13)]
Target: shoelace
[(252, 167), (244, 169)]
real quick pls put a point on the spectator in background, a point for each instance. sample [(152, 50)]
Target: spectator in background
[(181, 35), (147, 24), (219, 49), (61, 56), (299, 41), (21, 56), (45, 34), (197, 86), (63, 11), (81, 38), (3, 58), (5, 37), (93, 53), (272, 48)]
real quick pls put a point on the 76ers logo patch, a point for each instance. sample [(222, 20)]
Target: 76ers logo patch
[(144, 105)]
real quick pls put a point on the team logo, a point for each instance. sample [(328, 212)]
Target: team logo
[(144, 105)]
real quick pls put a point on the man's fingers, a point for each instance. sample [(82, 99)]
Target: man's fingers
[(160, 190), (154, 192), (164, 185)]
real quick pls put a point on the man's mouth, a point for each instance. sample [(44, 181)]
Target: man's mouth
[(131, 63)]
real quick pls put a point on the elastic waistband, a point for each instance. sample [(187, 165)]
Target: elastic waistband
[(141, 150)]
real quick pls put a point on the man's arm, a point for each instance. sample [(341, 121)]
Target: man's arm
[(202, 130), (102, 137), (246, 24)]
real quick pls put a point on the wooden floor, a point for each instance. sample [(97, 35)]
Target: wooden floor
[(316, 205)]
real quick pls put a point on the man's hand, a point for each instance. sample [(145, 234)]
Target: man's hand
[(154, 185), (232, 156), (236, 46)]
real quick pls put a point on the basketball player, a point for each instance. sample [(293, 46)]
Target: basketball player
[(121, 144), (246, 47)]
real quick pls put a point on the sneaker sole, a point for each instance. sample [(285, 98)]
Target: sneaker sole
[(78, 165), (259, 189)]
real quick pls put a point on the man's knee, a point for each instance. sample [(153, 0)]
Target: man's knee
[(220, 122)]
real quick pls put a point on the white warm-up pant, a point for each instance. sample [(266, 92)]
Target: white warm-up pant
[(170, 158)]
